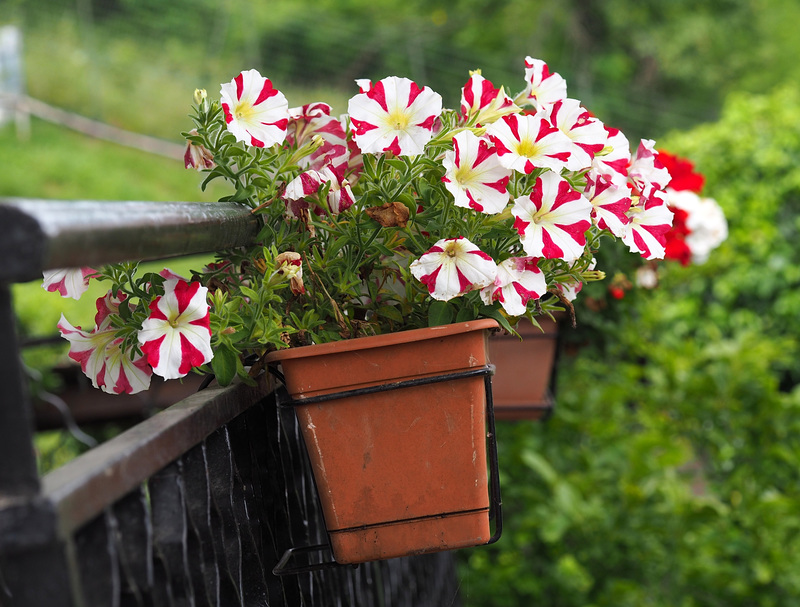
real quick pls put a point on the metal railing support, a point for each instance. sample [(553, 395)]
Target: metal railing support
[(18, 477)]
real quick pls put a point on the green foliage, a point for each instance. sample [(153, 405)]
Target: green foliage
[(670, 472), (644, 66)]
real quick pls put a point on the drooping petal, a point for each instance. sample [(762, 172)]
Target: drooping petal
[(518, 280), (527, 142), (552, 221), (88, 348), (452, 267), (395, 115), (474, 175), (69, 282), (176, 336), (255, 112), (543, 87), (124, 373)]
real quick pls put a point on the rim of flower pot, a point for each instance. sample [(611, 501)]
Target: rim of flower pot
[(376, 341)]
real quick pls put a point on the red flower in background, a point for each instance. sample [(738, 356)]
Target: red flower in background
[(682, 172), (676, 247)]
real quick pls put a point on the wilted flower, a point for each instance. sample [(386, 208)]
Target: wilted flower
[(197, 156)]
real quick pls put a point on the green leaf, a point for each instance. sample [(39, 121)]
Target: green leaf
[(465, 314), (390, 312), (496, 314), (262, 182), (124, 309), (440, 313), (224, 366)]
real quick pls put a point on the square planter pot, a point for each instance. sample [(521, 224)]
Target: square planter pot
[(401, 470)]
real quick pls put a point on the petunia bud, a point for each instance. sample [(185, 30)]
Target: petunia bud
[(290, 265), (197, 156)]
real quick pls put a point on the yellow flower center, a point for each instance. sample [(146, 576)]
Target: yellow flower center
[(451, 249), (243, 111), (527, 148), (398, 119), (464, 174)]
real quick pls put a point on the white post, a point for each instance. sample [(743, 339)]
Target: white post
[(12, 84)]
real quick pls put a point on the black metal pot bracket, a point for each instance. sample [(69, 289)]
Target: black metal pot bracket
[(495, 503)]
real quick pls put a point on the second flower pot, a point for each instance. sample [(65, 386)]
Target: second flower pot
[(396, 430), (523, 381)]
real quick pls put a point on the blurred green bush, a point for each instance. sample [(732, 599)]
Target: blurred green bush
[(670, 472)]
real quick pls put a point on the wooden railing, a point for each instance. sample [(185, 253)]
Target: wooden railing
[(193, 506)]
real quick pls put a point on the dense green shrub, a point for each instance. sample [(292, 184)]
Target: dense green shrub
[(669, 472)]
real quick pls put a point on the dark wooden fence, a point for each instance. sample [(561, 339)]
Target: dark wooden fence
[(193, 506)]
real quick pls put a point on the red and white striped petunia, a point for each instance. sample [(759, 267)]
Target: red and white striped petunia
[(452, 267), (315, 119), (552, 221), (526, 142), (542, 86), (610, 204), (646, 171), (103, 360), (69, 282), (394, 115), (255, 112), (308, 183), (518, 280), (177, 336), (586, 132), (612, 165), (650, 220), (474, 175), (482, 103), (101, 355)]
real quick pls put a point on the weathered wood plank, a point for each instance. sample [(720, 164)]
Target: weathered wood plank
[(82, 488)]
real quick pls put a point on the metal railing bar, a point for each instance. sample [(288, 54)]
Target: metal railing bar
[(48, 234), (82, 488)]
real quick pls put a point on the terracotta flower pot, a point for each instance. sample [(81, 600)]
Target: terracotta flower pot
[(401, 471), (521, 386)]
